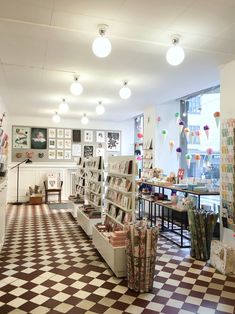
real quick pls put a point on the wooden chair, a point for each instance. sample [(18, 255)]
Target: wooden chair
[(53, 191)]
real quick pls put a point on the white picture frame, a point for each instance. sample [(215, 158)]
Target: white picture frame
[(21, 137), (59, 154), (67, 154), (51, 133), (100, 136), (88, 136), (68, 133), (76, 150), (67, 144), (113, 141), (60, 144), (100, 152), (51, 154), (52, 143), (60, 133)]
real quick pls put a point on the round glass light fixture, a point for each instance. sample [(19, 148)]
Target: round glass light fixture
[(101, 46), (63, 107), (175, 55), (56, 118), (125, 91), (100, 108), (76, 88), (84, 119)]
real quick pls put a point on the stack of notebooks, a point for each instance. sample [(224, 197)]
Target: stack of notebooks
[(118, 238)]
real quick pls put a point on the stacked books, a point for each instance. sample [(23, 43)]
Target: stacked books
[(118, 238)]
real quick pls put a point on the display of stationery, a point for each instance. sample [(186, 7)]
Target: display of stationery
[(80, 178), (141, 250), (91, 183), (227, 175), (222, 257), (201, 225), (148, 171), (119, 210), (94, 181)]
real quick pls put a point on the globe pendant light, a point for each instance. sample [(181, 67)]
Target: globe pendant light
[(76, 88), (84, 119), (101, 46), (175, 54), (125, 91), (56, 118), (100, 108), (63, 107)]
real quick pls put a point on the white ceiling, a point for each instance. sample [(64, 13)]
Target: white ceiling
[(44, 42)]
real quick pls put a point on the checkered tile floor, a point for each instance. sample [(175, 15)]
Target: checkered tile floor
[(48, 265)]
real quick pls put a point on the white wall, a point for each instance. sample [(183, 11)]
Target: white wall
[(227, 105), (165, 159), (35, 173), (127, 127), (3, 187)]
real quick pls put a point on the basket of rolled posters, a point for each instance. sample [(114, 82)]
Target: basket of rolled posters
[(141, 250), (201, 225)]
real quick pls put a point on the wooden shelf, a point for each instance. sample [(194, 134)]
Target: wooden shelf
[(115, 257)]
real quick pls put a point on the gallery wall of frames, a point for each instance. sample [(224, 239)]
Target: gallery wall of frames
[(42, 144)]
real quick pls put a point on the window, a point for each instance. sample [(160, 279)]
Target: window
[(200, 111)]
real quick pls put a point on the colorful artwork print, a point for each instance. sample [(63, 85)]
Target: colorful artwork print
[(88, 151), (60, 144), (21, 137), (100, 136), (88, 136), (113, 141), (67, 144), (38, 138)]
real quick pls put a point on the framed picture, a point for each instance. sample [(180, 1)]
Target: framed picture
[(88, 136), (21, 137), (100, 136), (67, 133), (67, 154), (51, 143), (60, 144), (100, 151), (39, 138), (113, 141), (60, 133), (88, 151), (60, 154), (52, 182), (76, 150), (52, 133), (77, 136), (51, 154), (67, 144)]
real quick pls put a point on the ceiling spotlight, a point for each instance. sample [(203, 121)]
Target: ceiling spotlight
[(125, 91), (56, 118), (184, 114), (63, 107), (84, 119), (101, 46), (100, 108), (76, 88), (175, 54)]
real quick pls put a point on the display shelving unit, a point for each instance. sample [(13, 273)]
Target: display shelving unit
[(120, 208), (80, 180), (147, 171), (93, 193)]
